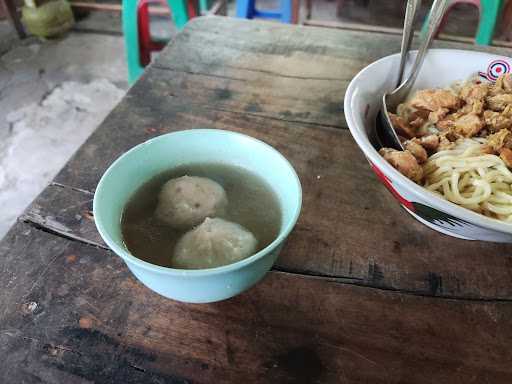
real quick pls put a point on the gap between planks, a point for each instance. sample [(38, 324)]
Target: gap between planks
[(307, 123), (157, 65)]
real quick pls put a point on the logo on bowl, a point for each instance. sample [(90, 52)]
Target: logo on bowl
[(495, 69)]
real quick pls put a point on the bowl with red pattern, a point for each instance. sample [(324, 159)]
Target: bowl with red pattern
[(442, 68)]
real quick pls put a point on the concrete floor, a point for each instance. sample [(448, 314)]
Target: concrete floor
[(53, 94)]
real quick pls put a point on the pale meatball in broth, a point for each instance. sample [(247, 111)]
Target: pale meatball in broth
[(186, 201)]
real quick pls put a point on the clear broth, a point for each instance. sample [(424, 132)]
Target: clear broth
[(251, 203)]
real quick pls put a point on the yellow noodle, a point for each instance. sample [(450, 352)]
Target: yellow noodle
[(468, 177), (500, 209)]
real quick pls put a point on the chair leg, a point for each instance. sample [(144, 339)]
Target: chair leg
[(13, 15), (444, 20), (193, 9), (204, 6), (179, 12), (286, 11), (339, 7), (219, 8), (506, 21), (309, 8), (295, 11), (131, 39), (489, 15), (144, 33), (245, 9)]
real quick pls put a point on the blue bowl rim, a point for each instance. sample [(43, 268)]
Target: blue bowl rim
[(129, 258)]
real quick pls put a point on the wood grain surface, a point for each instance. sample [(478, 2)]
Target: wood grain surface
[(350, 227), (84, 318), (285, 86), (362, 293)]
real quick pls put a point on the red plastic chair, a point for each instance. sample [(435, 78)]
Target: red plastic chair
[(146, 45), (452, 5)]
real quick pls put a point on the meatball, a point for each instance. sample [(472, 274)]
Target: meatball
[(186, 201), (214, 243)]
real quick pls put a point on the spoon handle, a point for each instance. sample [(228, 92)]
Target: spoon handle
[(410, 15), (436, 15)]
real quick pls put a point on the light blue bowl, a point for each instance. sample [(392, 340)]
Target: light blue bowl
[(148, 159)]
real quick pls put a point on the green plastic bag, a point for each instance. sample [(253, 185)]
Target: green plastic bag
[(47, 20)]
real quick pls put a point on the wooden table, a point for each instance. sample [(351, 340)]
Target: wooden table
[(362, 293)]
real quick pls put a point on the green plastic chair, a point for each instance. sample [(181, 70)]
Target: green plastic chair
[(489, 13), (204, 6), (131, 33)]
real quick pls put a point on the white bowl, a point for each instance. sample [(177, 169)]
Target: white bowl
[(441, 68)]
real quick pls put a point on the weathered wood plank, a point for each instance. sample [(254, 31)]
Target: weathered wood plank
[(262, 73), (140, 117), (350, 226), (209, 45), (279, 71), (308, 101), (65, 211), (84, 318)]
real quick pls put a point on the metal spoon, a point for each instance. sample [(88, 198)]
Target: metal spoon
[(379, 139), (407, 35), (390, 101)]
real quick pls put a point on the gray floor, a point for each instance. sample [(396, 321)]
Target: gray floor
[(53, 94)]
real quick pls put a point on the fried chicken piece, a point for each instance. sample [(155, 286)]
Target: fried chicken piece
[(507, 111), (499, 102), (401, 126), (446, 124), (503, 84), (419, 113), (497, 87), (486, 150), (472, 93), (430, 142), (437, 115), (404, 162), (499, 140), (507, 82), (414, 146), (447, 139), (494, 121), (476, 107), (467, 125), (434, 99), (417, 123), (506, 156), (444, 143)]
